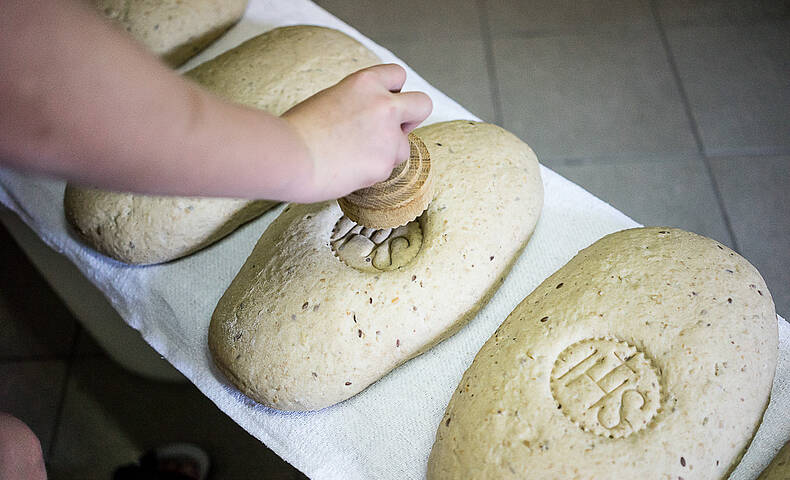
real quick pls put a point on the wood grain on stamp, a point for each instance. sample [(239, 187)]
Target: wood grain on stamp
[(399, 199)]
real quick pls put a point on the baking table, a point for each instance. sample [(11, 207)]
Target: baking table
[(387, 430)]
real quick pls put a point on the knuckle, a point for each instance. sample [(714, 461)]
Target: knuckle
[(426, 100), (397, 69), (391, 111), (382, 172), (423, 101), (362, 77), (385, 107), (385, 174)]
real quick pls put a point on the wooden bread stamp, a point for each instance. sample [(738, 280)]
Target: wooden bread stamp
[(399, 199)]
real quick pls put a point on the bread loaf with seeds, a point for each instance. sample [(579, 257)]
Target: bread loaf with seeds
[(651, 354), (323, 308), (174, 30)]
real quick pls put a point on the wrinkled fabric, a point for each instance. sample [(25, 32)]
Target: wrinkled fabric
[(386, 432)]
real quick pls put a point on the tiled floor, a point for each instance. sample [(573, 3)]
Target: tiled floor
[(675, 111)]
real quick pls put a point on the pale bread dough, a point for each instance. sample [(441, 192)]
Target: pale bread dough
[(651, 354), (298, 329), (273, 72), (143, 229), (174, 30), (779, 469)]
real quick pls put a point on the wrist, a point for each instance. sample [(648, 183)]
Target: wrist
[(302, 161)]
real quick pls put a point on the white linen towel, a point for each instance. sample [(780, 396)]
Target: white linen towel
[(386, 432)]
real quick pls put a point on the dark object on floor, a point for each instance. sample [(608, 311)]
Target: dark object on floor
[(175, 461)]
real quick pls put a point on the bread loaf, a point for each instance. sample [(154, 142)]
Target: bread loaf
[(273, 72), (651, 354), (174, 30), (323, 308)]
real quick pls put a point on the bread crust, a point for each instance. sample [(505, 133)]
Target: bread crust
[(298, 329), (174, 30), (651, 354)]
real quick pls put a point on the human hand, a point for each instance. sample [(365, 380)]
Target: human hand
[(356, 131)]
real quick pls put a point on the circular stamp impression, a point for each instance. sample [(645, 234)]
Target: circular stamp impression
[(606, 386), (375, 250)]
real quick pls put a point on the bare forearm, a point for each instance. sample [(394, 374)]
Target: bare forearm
[(83, 102)]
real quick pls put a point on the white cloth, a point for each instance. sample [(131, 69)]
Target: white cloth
[(387, 430)]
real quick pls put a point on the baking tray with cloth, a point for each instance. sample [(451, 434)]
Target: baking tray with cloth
[(387, 430)]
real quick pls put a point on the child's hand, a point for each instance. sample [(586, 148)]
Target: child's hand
[(356, 131), (68, 112)]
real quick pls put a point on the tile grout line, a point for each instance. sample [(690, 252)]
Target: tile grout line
[(692, 122), (627, 158), (485, 31), (64, 388)]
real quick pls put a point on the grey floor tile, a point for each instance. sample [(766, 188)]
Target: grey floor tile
[(31, 391), (458, 68), (736, 78), (87, 346), (33, 320), (721, 12), (544, 16), (408, 19), (757, 200), (110, 417), (675, 193), (604, 94)]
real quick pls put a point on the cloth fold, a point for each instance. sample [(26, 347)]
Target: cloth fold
[(387, 430)]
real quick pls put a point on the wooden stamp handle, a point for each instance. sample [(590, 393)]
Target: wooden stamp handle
[(397, 200)]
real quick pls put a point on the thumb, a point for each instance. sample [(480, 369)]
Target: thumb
[(404, 149)]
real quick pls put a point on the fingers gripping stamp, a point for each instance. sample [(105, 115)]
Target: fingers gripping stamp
[(399, 199)]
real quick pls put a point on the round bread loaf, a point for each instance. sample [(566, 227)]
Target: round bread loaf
[(175, 30), (651, 354), (300, 328), (779, 469), (273, 72)]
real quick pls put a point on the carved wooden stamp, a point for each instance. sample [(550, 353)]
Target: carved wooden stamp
[(399, 199)]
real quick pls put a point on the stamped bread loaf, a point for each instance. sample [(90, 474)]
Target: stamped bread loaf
[(175, 30), (323, 307), (651, 354), (779, 469), (273, 72)]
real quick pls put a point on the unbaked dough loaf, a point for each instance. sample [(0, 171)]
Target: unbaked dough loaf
[(779, 469), (175, 30), (300, 329), (273, 72), (651, 355)]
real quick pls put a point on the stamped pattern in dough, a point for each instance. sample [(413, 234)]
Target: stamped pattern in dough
[(375, 250), (606, 386)]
